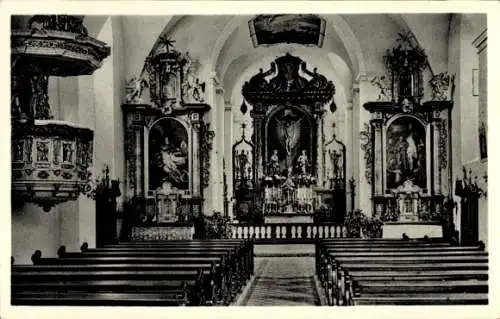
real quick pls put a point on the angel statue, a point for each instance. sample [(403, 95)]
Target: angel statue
[(381, 83), (134, 90)]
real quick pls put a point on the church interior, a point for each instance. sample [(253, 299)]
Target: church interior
[(287, 159)]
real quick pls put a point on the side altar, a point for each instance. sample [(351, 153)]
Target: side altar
[(408, 146), (166, 145), (286, 171)]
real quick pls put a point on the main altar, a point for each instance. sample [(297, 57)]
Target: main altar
[(286, 171)]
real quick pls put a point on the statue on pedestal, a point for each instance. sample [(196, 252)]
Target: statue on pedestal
[(274, 165), (303, 162)]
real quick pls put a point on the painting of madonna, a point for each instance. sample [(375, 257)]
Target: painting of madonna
[(168, 157)]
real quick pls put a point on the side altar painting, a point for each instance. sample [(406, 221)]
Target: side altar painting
[(406, 153), (168, 156)]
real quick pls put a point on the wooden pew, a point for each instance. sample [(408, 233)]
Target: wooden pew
[(425, 299), (162, 268), (185, 285), (55, 298), (240, 259), (243, 248), (242, 264), (378, 263)]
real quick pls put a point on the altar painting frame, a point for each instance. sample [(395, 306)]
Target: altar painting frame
[(147, 132), (428, 145), (312, 149)]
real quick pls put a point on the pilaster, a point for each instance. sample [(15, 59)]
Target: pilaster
[(362, 93)]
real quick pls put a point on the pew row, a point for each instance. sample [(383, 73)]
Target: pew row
[(169, 273), (401, 272)]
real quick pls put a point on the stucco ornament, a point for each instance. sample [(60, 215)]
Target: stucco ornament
[(442, 85)]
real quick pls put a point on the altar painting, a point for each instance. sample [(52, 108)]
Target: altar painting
[(289, 143), (168, 157), (406, 153)]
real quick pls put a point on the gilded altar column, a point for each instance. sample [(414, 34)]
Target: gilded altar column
[(228, 153), (258, 168), (378, 155), (349, 160), (134, 148), (258, 119), (435, 177), (195, 147), (319, 155)]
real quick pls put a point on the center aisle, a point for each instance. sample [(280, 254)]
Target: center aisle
[(283, 281)]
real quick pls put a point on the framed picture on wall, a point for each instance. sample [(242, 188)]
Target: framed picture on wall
[(475, 82)]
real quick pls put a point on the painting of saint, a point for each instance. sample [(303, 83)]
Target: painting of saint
[(168, 156), (406, 153)]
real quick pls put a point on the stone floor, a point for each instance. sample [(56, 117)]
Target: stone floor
[(282, 281)]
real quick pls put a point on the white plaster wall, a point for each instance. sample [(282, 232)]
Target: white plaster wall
[(462, 58), (140, 33), (34, 229)]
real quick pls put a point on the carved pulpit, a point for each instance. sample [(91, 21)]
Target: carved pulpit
[(409, 141), (167, 146), (288, 105)]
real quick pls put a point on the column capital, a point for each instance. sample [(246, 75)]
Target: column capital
[(213, 78), (219, 89), (228, 107)]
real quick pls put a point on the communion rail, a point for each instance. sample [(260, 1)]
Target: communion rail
[(288, 231)]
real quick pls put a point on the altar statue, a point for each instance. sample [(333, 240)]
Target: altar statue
[(303, 162), (274, 165), (242, 164), (411, 151), (337, 164)]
